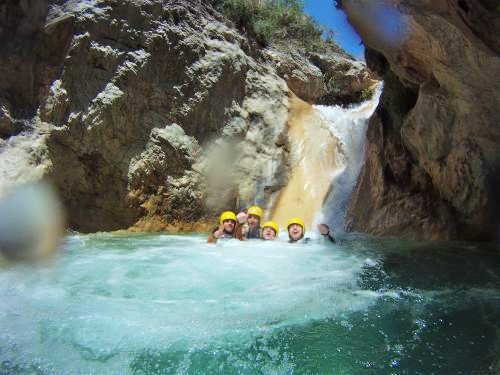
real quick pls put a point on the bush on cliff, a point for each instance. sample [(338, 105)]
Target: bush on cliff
[(272, 21)]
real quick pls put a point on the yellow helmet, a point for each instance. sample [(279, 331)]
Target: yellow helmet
[(228, 215), (271, 224), (254, 210), (297, 220)]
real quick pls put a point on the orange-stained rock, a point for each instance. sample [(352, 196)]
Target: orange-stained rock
[(159, 224)]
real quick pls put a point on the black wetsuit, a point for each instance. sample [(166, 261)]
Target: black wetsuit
[(253, 233), (329, 237), (225, 235), (302, 240)]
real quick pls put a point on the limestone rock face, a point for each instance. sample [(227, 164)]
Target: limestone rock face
[(433, 152), (302, 77), (21, 23), (346, 81), (148, 115), (319, 78)]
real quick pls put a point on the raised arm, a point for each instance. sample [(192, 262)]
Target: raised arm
[(215, 235), (239, 229), (325, 232)]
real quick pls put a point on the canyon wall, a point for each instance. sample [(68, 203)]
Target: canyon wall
[(151, 115), (432, 168)]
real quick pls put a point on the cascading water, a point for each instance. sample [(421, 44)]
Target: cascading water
[(349, 126), (314, 157), (327, 153)]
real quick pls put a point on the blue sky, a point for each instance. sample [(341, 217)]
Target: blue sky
[(325, 13)]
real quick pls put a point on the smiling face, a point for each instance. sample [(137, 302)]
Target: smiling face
[(295, 232), (268, 233), (253, 221), (229, 226)]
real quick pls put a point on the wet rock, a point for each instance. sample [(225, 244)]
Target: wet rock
[(433, 145), (21, 25), (8, 126)]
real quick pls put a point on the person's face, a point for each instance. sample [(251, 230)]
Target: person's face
[(268, 233), (228, 225), (295, 232), (253, 221)]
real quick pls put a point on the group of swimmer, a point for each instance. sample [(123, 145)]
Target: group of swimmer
[(247, 225)]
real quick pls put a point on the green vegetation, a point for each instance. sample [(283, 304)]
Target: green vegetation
[(366, 94), (275, 21)]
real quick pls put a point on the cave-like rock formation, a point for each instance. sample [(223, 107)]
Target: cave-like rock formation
[(433, 145)]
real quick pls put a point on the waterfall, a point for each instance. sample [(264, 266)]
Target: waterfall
[(349, 126), (314, 161)]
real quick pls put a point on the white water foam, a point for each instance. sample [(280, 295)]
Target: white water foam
[(108, 297)]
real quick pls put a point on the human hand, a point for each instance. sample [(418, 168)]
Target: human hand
[(219, 232), (323, 229), (242, 217)]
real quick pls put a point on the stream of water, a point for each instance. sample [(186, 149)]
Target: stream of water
[(348, 124)]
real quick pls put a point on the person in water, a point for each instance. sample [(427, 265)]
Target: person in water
[(252, 217), (270, 230), (227, 228), (296, 231)]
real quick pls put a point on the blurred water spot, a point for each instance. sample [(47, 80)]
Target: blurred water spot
[(379, 21), (31, 222)]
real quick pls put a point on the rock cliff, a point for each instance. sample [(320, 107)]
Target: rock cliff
[(433, 145), (151, 115)]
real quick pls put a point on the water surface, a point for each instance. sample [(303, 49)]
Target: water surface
[(161, 304)]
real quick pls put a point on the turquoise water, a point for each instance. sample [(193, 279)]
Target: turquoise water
[(165, 304)]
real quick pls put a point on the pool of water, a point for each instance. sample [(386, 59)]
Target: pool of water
[(161, 304)]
